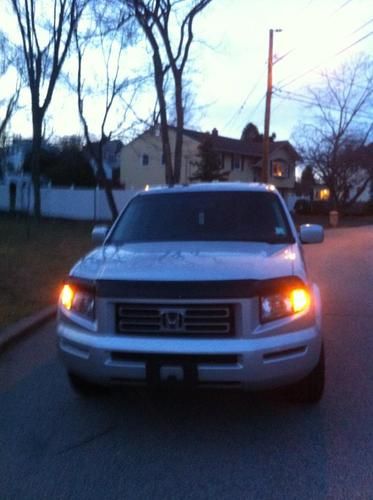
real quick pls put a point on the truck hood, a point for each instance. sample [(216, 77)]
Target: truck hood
[(190, 261)]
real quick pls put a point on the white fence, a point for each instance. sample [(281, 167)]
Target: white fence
[(68, 203)]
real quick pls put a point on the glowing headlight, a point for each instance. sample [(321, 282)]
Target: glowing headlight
[(78, 301), (283, 304)]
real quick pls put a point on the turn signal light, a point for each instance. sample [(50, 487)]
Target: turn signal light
[(285, 303), (67, 297), (78, 301), (300, 299)]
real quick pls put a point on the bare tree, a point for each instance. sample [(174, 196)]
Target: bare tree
[(46, 29), (8, 103), (109, 92), (335, 141), (168, 28), (10, 107)]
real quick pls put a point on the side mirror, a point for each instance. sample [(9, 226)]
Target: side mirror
[(311, 233), (99, 234)]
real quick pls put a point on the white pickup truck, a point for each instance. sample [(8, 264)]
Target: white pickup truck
[(202, 285)]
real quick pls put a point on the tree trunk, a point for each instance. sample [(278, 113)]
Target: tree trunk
[(158, 77), (179, 128), (102, 176), (35, 162), (111, 201)]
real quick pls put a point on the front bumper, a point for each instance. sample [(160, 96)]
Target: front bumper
[(247, 363)]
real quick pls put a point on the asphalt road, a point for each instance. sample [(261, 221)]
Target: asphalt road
[(54, 445)]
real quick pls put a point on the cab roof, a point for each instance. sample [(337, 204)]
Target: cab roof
[(210, 187)]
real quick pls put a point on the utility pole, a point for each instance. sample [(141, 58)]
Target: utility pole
[(267, 116)]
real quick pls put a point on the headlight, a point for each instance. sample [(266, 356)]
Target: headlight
[(285, 303), (78, 301)]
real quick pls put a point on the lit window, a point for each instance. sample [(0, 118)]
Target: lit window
[(145, 160), (280, 169), (324, 194)]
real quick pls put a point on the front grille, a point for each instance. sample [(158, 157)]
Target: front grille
[(188, 320)]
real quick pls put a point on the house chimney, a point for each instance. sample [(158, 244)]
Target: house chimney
[(215, 132)]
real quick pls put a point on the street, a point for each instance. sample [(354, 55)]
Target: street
[(133, 444)]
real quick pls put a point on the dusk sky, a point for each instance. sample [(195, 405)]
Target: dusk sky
[(229, 62)]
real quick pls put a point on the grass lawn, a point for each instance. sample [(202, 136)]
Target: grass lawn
[(35, 257)]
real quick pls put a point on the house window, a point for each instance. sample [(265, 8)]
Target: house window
[(235, 162), (145, 160), (280, 169), (322, 194)]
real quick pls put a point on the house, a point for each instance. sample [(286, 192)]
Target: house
[(142, 159), (13, 155), (111, 159)]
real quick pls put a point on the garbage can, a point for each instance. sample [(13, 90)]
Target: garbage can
[(333, 218)]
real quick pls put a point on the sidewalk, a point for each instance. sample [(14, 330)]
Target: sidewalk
[(16, 331)]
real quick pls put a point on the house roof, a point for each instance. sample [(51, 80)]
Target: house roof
[(238, 146), (222, 144)]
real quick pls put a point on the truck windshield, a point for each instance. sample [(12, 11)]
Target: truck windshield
[(203, 216)]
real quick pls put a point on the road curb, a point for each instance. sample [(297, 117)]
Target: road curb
[(16, 331)]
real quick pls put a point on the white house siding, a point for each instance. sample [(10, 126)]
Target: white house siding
[(244, 173)]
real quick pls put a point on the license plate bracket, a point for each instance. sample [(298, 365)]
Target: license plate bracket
[(163, 371)]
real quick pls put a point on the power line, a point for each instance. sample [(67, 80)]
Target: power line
[(287, 84), (353, 44), (304, 99), (342, 6), (311, 70), (258, 105), (240, 109), (242, 106), (338, 53), (261, 76), (284, 56), (362, 26)]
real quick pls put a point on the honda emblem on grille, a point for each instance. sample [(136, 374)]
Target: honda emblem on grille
[(172, 321)]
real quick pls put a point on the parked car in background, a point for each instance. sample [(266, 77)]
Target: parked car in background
[(203, 286)]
